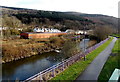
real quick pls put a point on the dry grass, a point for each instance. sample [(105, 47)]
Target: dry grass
[(21, 48)]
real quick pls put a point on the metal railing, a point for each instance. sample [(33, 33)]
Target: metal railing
[(60, 67)]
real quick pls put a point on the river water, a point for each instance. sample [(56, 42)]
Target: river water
[(25, 68)]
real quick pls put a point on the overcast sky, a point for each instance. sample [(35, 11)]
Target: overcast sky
[(106, 7)]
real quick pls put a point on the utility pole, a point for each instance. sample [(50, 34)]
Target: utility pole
[(84, 45)]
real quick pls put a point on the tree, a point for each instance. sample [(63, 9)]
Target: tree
[(70, 48), (11, 21), (102, 32), (56, 41)]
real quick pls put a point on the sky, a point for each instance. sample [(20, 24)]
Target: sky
[(105, 7)]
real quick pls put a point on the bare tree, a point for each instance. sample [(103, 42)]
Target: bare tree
[(70, 48), (11, 21), (102, 32)]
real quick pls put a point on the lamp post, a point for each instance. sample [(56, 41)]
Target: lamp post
[(84, 45)]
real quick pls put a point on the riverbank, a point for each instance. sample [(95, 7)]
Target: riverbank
[(17, 49), (13, 50)]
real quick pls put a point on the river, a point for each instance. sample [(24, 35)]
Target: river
[(25, 68)]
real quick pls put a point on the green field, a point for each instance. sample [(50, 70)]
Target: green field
[(112, 63), (73, 71)]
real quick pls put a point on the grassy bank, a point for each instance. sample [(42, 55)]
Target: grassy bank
[(21, 48), (73, 71), (15, 49), (112, 63), (116, 35)]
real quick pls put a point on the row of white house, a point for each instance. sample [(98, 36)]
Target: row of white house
[(45, 30), (54, 30), (76, 32), (80, 31), (67, 31)]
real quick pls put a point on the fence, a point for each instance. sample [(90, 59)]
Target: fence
[(60, 67)]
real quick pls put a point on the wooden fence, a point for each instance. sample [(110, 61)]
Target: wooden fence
[(60, 67)]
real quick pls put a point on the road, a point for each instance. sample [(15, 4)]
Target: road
[(93, 70)]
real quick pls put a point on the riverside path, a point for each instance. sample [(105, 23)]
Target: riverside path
[(93, 70)]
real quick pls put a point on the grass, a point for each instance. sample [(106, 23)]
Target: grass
[(116, 35), (115, 48), (112, 63), (73, 71), (14, 49)]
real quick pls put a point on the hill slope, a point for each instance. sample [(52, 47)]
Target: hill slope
[(98, 18), (60, 20)]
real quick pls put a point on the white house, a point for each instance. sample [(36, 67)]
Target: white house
[(69, 31), (81, 32), (37, 30), (45, 30)]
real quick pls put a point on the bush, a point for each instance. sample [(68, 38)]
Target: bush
[(57, 41), (102, 32), (15, 32), (70, 48)]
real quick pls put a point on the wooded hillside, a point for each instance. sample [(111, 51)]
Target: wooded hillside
[(29, 18)]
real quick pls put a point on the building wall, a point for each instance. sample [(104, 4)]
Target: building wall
[(24, 35), (41, 35)]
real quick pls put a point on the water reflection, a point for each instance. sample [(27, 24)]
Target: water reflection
[(84, 44), (25, 68)]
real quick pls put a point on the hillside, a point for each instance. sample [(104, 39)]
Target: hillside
[(98, 18), (60, 20)]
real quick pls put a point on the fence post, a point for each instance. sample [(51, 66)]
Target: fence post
[(41, 77), (53, 71), (67, 63), (73, 59), (62, 65)]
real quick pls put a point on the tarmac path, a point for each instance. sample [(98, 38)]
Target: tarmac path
[(93, 70)]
